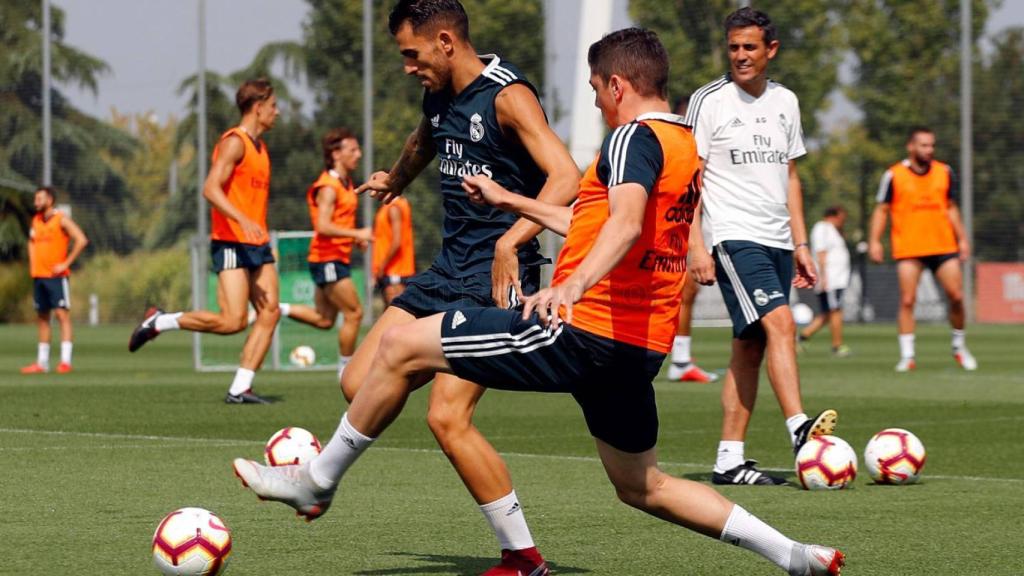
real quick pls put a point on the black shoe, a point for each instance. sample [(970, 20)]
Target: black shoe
[(245, 398), (746, 473), (821, 425), (146, 330)]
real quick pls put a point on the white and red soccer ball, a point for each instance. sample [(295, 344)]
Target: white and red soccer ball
[(894, 456), (826, 463), (191, 542), (292, 445)]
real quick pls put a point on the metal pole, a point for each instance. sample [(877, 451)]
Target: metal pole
[(967, 149), (202, 227), (47, 152), (368, 162)]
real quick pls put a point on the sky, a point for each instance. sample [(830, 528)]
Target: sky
[(150, 45)]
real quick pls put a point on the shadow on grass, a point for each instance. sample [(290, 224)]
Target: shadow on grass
[(461, 565)]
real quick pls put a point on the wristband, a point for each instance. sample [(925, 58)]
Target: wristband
[(802, 244)]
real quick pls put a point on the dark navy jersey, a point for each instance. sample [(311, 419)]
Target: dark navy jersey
[(470, 141)]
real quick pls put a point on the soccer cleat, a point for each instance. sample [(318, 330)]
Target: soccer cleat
[(906, 365), (246, 397), (690, 372), (965, 359), (841, 351), (35, 368), (291, 485), (146, 330), (746, 474), (63, 368), (814, 560), (526, 562), (821, 425)]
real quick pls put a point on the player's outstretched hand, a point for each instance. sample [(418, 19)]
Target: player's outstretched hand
[(505, 276), (701, 266), (483, 190), (379, 187), (548, 301), (806, 273)]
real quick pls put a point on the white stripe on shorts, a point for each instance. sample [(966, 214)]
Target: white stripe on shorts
[(67, 292), (547, 338), (749, 311)]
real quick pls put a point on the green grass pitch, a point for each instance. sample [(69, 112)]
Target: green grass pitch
[(91, 461)]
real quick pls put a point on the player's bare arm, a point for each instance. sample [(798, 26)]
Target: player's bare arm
[(806, 273), (417, 153), (963, 244), (483, 190), (78, 243), (878, 220), (520, 116), (325, 199), (230, 151), (698, 258), (626, 206)]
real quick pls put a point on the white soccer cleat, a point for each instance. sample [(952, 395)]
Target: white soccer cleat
[(814, 560), (290, 485), (965, 359), (906, 365)]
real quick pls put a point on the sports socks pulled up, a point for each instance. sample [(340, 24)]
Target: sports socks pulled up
[(341, 452)]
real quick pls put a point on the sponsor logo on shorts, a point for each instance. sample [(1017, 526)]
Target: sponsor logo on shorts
[(775, 295), (760, 298)]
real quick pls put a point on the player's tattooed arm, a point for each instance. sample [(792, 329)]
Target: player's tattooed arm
[(417, 153)]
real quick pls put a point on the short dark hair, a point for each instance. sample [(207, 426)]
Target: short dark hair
[(49, 191), (251, 92), (919, 129), (432, 14), (637, 55), (682, 105), (332, 141), (746, 17), (834, 210)]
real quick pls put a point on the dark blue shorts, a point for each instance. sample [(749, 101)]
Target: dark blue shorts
[(430, 292), (610, 380), (935, 261), (232, 255), (755, 279), (830, 300), (325, 273), (50, 293)]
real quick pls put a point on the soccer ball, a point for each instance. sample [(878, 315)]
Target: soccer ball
[(894, 456), (826, 463), (291, 445), (802, 314), (191, 542), (302, 356)]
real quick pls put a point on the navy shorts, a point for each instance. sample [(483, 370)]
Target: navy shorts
[(754, 279), (831, 300), (935, 261), (610, 380), (50, 293), (433, 291), (325, 273), (232, 255)]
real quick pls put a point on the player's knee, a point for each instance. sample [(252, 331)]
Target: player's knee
[(393, 351), (354, 315), (447, 421), (233, 323), (956, 298), (908, 300), (324, 323), (639, 493), (269, 314)]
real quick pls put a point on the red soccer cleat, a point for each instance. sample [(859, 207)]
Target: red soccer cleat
[(34, 369), (525, 562), (63, 368)]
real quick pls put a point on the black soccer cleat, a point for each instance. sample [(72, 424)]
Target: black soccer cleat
[(246, 397), (746, 474), (821, 425), (146, 330)]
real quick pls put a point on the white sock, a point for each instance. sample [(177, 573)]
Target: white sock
[(242, 382), (43, 354), (165, 322), (345, 446), (730, 455), (906, 345), (505, 516), (959, 339), (745, 530), (65, 352), (794, 422), (681, 350), (285, 308)]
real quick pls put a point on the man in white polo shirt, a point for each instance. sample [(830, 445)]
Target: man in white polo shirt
[(748, 137), (833, 258)]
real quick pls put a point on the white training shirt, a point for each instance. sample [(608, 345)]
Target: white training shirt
[(746, 144), (826, 238)]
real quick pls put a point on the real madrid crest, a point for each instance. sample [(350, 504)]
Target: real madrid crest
[(476, 128)]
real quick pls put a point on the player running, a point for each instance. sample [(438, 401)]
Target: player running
[(833, 257), (237, 188), (600, 332)]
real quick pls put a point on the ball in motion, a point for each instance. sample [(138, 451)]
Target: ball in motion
[(191, 542), (826, 463), (894, 456), (302, 356), (292, 445)]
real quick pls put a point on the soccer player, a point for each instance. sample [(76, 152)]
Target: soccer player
[(600, 332), (480, 116), (237, 188), (50, 266), (394, 253), (332, 210), (749, 137), (921, 195), (833, 257)]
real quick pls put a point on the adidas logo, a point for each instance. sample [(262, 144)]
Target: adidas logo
[(515, 508), (736, 123), (435, 121), (457, 319), (348, 441)]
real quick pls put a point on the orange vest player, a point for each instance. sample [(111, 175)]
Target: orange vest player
[(920, 194), (394, 254), (238, 189), (50, 236), (332, 206)]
